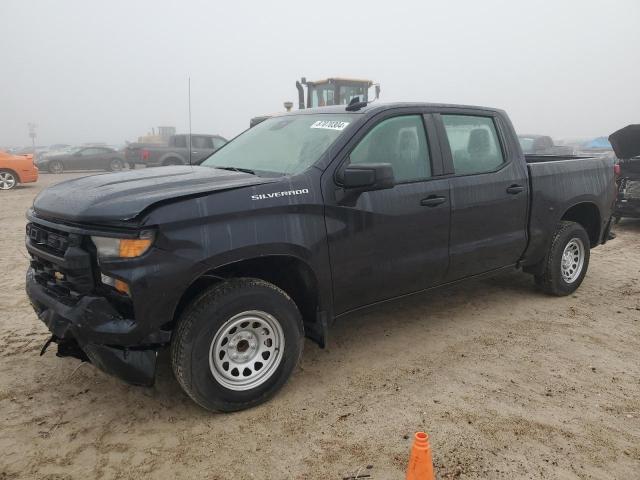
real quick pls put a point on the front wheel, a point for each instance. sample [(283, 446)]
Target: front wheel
[(237, 344), (8, 180), (566, 261)]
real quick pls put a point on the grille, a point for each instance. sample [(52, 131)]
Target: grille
[(49, 240), (632, 190), (58, 283), (66, 271)]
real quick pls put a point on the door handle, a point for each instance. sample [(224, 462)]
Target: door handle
[(515, 189), (432, 201)]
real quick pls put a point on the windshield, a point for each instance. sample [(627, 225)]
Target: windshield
[(281, 145)]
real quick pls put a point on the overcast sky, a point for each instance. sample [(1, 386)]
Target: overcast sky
[(89, 71)]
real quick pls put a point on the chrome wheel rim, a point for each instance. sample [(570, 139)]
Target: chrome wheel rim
[(572, 260), (56, 167), (7, 181), (246, 350)]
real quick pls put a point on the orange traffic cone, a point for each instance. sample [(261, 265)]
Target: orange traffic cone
[(420, 461)]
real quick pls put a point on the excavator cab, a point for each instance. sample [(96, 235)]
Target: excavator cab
[(334, 91), (330, 91)]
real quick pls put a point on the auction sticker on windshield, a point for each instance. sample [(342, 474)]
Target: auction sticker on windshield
[(329, 125)]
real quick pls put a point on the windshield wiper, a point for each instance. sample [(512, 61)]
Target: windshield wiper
[(237, 169)]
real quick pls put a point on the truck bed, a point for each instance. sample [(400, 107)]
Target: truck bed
[(557, 180)]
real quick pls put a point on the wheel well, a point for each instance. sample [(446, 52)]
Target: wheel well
[(290, 274), (587, 215), (12, 172)]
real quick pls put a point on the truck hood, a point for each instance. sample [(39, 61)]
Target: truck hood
[(626, 141), (118, 197)]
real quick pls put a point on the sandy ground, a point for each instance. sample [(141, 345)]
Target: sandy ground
[(508, 382)]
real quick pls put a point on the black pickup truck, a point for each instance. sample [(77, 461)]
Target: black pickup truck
[(175, 152), (299, 221)]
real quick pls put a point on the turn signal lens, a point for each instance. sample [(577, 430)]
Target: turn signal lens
[(130, 248), (119, 285), (110, 247), (122, 287)]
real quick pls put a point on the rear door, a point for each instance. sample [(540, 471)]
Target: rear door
[(489, 192), (392, 242)]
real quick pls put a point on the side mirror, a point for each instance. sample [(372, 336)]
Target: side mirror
[(368, 176)]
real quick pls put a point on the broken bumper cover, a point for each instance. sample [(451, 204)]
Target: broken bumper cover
[(98, 331)]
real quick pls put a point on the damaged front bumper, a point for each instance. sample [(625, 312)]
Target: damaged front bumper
[(92, 329)]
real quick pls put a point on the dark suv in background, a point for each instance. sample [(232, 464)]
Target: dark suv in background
[(175, 152)]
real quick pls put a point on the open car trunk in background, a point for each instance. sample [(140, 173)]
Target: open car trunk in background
[(626, 142), (626, 145)]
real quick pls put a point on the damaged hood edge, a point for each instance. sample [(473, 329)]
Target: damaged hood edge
[(121, 197)]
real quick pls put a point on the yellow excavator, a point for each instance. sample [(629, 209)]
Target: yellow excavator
[(330, 91)]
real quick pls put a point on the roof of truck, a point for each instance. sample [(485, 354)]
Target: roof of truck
[(374, 106)]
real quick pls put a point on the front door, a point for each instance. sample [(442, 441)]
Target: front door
[(392, 242), (201, 148), (489, 195)]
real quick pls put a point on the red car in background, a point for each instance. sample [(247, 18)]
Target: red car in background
[(15, 169)]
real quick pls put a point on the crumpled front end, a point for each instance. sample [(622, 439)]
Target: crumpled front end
[(86, 320)]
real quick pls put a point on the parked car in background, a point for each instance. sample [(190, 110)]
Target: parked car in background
[(57, 147), (15, 169), (176, 152), (542, 145), (50, 150), (597, 147), (83, 158)]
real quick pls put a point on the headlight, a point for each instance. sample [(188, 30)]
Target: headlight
[(109, 247)]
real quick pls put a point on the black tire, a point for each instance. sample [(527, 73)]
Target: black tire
[(116, 165), (551, 280), (55, 166), (208, 315)]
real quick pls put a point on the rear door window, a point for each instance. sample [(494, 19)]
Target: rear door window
[(474, 143)]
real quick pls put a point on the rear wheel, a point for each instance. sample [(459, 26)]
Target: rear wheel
[(567, 260), (55, 166), (8, 180), (237, 344), (116, 165)]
